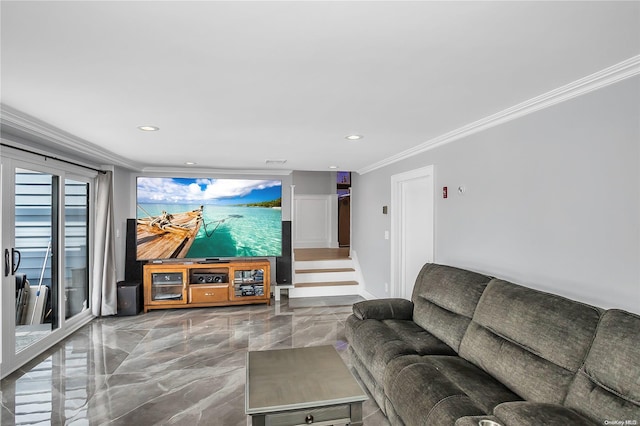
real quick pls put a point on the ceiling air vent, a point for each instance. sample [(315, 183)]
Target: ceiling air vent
[(275, 162)]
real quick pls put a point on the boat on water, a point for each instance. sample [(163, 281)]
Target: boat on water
[(168, 235)]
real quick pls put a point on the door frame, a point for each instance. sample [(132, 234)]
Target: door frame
[(9, 360), (398, 286)]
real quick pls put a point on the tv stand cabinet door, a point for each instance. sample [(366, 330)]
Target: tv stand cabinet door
[(165, 285), (250, 282)]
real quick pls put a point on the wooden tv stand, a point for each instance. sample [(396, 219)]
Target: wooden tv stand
[(172, 285)]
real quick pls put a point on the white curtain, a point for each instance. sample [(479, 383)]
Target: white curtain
[(104, 297)]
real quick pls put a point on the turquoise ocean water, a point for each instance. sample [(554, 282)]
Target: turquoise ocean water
[(234, 231)]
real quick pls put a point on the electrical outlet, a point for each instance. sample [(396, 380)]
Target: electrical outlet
[(386, 287)]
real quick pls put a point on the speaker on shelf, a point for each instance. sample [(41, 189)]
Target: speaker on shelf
[(132, 268), (129, 298), (284, 265)]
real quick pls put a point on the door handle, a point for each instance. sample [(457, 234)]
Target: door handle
[(7, 265), (15, 264)]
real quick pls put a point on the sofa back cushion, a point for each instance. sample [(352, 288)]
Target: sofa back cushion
[(444, 300), (533, 342), (607, 388)]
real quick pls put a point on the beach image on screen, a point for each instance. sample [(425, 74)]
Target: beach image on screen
[(208, 218)]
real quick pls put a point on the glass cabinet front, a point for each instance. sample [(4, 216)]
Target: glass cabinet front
[(248, 283), (167, 286)]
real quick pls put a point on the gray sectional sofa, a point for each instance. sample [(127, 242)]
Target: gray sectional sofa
[(469, 347)]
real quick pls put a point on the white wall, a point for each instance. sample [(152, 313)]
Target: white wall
[(313, 182), (552, 201)]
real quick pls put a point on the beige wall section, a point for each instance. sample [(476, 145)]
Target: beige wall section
[(552, 201)]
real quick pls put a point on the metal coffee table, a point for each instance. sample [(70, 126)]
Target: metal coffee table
[(301, 386)]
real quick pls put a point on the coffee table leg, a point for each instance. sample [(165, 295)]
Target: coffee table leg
[(356, 413), (258, 420)]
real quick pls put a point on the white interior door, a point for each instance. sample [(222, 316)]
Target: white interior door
[(412, 220)]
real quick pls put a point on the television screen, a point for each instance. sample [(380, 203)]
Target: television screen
[(192, 218)]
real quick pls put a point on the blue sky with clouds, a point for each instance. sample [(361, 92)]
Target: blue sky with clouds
[(206, 191)]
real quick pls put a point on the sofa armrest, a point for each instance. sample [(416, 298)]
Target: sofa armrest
[(381, 309), (524, 413)]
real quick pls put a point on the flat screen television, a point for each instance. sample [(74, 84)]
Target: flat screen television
[(202, 218)]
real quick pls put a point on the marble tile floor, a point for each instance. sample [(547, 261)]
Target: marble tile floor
[(168, 367)]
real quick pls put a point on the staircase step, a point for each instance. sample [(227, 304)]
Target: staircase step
[(325, 275), (323, 264), (302, 254), (325, 284), (321, 270)]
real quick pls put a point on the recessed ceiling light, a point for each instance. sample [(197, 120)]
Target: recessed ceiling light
[(149, 128), (353, 137), (333, 167), (189, 163)]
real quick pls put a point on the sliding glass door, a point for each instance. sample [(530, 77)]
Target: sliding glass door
[(76, 250), (45, 244), (35, 246)]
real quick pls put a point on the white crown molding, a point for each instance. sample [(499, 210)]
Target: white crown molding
[(205, 171), (590, 83), (41, 131), (14, 119)]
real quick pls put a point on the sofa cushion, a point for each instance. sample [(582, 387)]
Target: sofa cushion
[(608, 386), (535, 414), (377, 342), (533, 342), (421, 395), (485, 391), (460, 378), (445, 299), (378, 331)]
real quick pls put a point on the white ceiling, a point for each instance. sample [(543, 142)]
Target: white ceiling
[(232, 84)]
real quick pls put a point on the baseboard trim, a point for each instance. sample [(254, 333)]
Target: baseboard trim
[(367, 295), (346, 290)]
